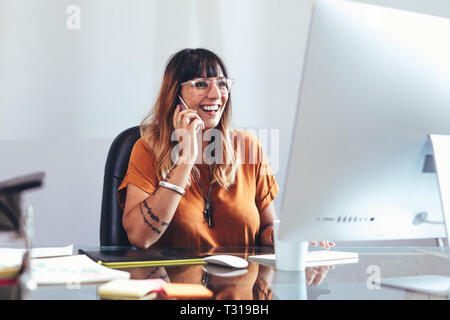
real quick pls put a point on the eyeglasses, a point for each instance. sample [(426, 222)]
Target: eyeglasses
[(203, 85)]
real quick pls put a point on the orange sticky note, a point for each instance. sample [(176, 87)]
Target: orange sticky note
[(187, 291)]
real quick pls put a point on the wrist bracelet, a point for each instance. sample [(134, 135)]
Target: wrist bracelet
[(172, 187)]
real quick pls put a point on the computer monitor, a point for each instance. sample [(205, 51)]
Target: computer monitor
[(375, 85)]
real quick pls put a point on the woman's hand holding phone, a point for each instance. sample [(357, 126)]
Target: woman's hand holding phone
[(187, 123)]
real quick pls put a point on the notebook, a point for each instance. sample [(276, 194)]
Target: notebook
[(130, 258)]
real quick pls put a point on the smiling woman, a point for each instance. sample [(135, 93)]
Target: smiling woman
[(190, 77), (175, 198)]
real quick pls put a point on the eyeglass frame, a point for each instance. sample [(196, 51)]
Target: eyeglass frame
[(192, 84)]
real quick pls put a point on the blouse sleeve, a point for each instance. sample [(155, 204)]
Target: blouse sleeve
[(141, 171), (266, 184)]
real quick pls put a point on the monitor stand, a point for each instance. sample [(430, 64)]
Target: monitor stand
[(289, 256), (433, 284), (441, 150)]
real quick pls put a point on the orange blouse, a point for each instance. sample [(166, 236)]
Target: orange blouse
[(236, 210)]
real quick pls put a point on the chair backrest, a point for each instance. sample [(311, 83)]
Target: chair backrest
[(112, 232)]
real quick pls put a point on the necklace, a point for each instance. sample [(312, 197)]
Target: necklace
[(208, 211)]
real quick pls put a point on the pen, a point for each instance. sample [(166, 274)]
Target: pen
[(156, 263)]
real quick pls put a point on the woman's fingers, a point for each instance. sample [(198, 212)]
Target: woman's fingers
[(330, 244), (197, 124), (183, 118), (190, 118), (316, 275), (178, 116), (321, 274), (310, 276), (175, 120), (324, 244)]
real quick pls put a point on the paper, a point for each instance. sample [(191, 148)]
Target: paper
[(39, 252), (10, 263), (11, 258), (52, 252), (72, 271), (130, 289)]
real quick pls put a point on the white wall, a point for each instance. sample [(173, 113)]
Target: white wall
[(65, 94)]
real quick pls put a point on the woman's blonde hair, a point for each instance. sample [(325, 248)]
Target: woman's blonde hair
[(157, 127)]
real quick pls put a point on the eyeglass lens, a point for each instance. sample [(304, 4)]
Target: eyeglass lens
[(205, 84)]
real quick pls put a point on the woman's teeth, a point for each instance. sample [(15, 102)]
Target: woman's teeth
[(210, 108)]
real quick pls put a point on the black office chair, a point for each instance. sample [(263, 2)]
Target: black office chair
[(112, 232)]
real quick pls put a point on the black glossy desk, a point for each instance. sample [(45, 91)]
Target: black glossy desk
[(258, 282)]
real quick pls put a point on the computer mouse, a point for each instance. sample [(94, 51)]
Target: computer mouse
[(221, 271), (227, 261)]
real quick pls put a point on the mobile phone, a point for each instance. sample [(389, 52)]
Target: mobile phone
[(183, 106)]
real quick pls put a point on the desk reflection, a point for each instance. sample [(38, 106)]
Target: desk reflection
[(256, 282), (292, 285)]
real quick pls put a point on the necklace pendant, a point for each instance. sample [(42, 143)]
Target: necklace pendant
[(208, 213)]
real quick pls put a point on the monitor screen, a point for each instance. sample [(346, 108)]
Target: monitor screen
[(375, 84)]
